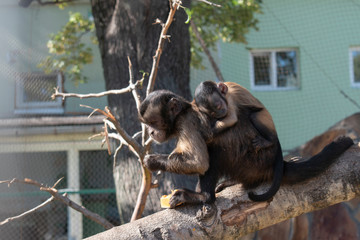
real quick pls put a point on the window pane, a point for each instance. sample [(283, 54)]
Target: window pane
[(356, 64), (38, 87), (262, 69), (286, 69)]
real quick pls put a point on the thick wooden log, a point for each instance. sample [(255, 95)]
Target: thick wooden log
[(234, 215)]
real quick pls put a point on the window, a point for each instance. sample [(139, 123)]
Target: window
[(355, 66), (33, 93), (274, 69)]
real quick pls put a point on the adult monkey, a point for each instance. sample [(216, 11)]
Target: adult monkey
[(229, 103), (168, 115)]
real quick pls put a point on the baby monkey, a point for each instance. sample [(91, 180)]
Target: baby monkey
[(217, 101)]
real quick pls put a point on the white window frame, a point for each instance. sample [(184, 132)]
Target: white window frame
[(351, 64), (41, 107), (273, 72)]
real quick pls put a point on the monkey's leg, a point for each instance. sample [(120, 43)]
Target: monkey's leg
[(205, 190)]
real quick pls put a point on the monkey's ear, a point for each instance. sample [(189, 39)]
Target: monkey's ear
[(222, 87), (175, 106)]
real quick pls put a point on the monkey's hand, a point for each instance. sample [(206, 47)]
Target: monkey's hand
[(218, 128), (155, 162), (225, 184)]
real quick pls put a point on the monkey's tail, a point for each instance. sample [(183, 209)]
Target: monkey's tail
[(277, 178), (295, 172)]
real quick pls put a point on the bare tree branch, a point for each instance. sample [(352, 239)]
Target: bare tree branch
[(93, 216), (114, 124), (133, 145), (207, 52), (10, 219), (62, 198), (210, 3), (136, 96), (131, 83), (138, 84), (173, 8)]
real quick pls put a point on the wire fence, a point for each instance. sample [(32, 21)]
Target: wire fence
[(96, 193)]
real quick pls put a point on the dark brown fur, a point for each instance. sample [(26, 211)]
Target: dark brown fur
[(259, 157)]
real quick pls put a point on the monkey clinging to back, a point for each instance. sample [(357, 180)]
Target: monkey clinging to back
[(229, 103), (220, 103)]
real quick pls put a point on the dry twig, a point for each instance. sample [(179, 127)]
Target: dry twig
[(137, 84), (57, 196), (10, 219), (210, 3), (156, 58), (207, 52)]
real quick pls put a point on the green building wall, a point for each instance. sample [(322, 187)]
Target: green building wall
[(322, 32)]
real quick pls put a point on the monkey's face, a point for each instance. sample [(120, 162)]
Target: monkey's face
[(159, 111), (216, 106), (156, 125), (155, 131)]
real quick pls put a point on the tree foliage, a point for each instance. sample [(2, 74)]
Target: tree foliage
[(69, 52), (228, 23)]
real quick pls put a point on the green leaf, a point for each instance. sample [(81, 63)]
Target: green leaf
[(189, 13)]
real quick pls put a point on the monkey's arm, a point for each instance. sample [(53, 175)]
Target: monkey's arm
[(230, 119), (227, 122), (189, 157)]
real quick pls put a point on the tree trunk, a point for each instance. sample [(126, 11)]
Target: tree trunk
[(125, 28), (233, 215)]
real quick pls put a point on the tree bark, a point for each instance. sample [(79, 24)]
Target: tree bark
[(233, 215), (125, 28)]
